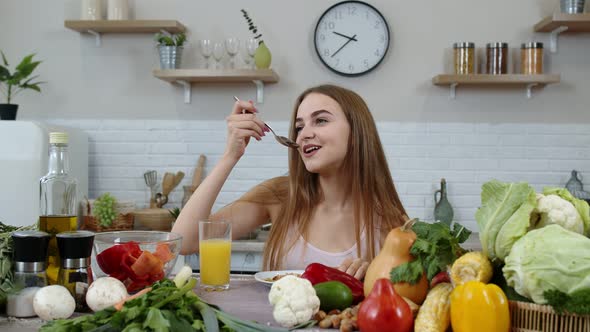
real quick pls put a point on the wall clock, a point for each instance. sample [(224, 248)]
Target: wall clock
[(351, 38)]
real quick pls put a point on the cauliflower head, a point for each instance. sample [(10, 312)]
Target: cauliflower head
[(552, 209), (294, 300)]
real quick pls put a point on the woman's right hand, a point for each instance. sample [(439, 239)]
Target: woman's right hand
[(242, 124)]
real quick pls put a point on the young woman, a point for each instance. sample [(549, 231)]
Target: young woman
[(335, 206)]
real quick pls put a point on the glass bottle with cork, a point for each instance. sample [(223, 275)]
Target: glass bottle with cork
[(58, 197), (75, 272)]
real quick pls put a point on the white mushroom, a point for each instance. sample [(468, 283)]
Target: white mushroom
[(105, 292), (54, 302)]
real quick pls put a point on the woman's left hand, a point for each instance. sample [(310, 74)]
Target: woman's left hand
[(355, 267)]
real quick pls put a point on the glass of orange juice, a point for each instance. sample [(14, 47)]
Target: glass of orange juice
[(214, 254)]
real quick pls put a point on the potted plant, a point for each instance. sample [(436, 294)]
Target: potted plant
[(170, 49), (262, 57), (13, 83)]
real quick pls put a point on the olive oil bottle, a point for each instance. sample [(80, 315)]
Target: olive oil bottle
[(58, 200)]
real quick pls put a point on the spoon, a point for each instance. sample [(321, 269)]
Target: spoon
[(281, 139)]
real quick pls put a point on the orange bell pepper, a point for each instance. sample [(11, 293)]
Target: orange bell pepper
[(476, 306), (163, 252), (146, 264)]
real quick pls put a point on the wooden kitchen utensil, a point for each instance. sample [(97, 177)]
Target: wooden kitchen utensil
[(177, 179), (197, 178), (169, 182)]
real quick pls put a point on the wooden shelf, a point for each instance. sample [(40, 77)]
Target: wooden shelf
[(126, 26), (217, 76), (560, 22), (98, 27), (573, 22), (529, 81), (186, 77)]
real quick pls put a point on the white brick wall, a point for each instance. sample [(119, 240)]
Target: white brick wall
[(419, 154)]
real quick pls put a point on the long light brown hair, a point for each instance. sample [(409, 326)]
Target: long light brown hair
[(376, 202)]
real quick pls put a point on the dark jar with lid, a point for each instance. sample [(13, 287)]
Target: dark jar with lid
[(29, 256), (497, 58), (75, 272), (531, 58)]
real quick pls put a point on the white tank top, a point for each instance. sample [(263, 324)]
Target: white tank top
[(304, 253)]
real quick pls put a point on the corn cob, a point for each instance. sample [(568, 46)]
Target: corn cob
[(435, 313), (473, 265)]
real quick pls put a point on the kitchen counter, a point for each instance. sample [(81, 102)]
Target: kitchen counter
[(246, 299)]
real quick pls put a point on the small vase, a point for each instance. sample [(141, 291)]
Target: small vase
[(262, 56), (443, 211), (572, 6), (8, 111), (170, 57)]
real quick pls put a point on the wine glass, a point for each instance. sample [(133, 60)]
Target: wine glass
[(206, 50), (218, 51), (232, 46), (250, 46)]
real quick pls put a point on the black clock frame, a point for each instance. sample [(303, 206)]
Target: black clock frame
[(316, 32)]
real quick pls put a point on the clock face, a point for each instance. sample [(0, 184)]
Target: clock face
[(351, 38)]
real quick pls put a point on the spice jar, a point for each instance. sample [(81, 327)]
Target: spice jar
[(497, 58), (30, 254), (464, 58), (75, 272), (531, 58)]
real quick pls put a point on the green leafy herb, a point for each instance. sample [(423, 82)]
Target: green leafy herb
[(576, 303), (436, 247), (171, 40), (174, 212), (252, 27), (164, 308), (6, 248)]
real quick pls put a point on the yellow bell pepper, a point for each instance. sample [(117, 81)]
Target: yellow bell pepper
[(476, 306)]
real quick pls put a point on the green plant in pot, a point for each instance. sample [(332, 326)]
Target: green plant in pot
[(13, 83), (170, 49), (262, 57)]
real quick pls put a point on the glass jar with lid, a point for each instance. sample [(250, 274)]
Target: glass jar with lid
[(531, 58), (464, 58), (497, 58)]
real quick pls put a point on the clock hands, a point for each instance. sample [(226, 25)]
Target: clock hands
[(341, 47), (345, 36)]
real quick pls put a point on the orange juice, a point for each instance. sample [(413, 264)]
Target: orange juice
[(215, 257)]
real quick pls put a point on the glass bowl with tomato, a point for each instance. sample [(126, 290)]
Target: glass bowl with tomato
[(137, 258)]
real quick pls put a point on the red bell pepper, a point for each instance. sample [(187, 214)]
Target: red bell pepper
[(110, 259), (134, 286), (316, 273), (385, 310), (126, 267)]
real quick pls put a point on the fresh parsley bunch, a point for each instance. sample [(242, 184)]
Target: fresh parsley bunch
[(436, 247)]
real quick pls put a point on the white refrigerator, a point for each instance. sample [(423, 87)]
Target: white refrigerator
[(24, 149)]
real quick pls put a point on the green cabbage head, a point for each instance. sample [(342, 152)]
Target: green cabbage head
[(549, 258), (504, 216)]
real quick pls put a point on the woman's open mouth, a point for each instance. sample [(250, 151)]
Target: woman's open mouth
[(310, 149)]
